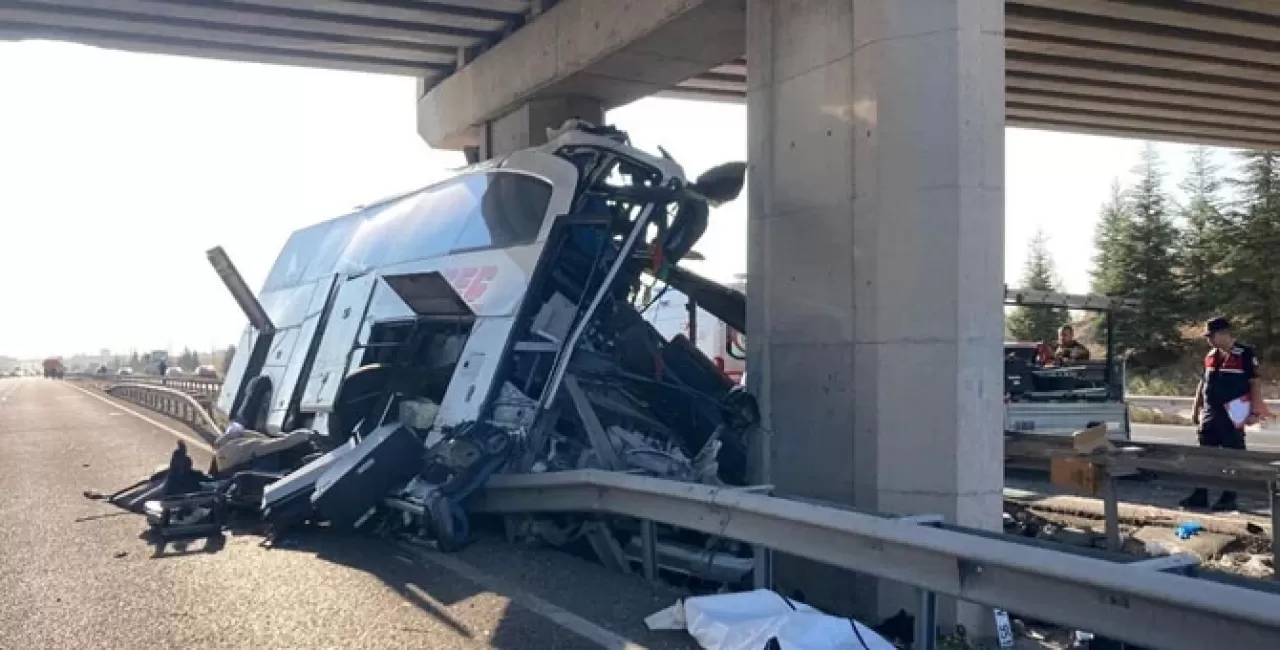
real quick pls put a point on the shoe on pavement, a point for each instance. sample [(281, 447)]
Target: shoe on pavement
[(1196, 500), (1225, 503)]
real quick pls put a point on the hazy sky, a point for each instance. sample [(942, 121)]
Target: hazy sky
[(118, 170)]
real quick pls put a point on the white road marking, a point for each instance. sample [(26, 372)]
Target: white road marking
[(558, 615), (170, 430)]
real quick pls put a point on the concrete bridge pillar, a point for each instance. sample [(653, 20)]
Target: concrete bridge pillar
[(875, 264)]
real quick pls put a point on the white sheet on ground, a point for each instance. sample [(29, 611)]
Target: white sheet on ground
[(748, 620)]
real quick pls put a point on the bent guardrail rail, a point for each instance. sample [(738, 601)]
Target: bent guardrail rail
[(1126, 598)]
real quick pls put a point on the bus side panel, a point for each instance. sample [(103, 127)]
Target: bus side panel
[(306, 333), (235, 372), (288, 309), (338, 339)]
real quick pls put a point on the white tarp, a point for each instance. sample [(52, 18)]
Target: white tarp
[(751, 619)]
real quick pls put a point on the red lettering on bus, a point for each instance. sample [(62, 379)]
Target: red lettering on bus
[(480, 283), (471, 282)]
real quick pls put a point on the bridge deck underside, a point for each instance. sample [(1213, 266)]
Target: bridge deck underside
[(1186, 70)]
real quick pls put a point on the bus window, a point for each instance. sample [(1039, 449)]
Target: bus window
[(418, 226), (509, 212), (297, 255), (329, 250)]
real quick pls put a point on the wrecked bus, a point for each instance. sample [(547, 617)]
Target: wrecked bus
[(493, 322)]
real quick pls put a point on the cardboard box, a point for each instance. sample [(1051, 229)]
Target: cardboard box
[(1076, 474)]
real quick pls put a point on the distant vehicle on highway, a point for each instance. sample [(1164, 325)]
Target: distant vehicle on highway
[(125, 371), (174, 372), (53, 368), (207, 372)]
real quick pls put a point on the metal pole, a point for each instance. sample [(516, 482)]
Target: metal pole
[(1111, 505), (649, 549), (1273, 489), (1111, 351), (762, 574), (927, 622), (692, 305)]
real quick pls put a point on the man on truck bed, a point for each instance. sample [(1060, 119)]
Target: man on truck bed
[(1227, 399), (1069, 349)]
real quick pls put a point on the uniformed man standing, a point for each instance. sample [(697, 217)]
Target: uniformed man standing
[(1069, 349), (1229, 398)]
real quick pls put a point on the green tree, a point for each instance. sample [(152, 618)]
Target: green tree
[(1146, 263), (1205, 236), (1037, 323), (1112, 230), (1252, 277), (188, 360)]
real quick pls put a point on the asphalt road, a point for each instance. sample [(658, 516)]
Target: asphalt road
[(1256, 440), (75, 573)]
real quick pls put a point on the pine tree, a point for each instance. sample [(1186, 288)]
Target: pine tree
[(1252, 276), (1112, 229), (1147, 263), (187, 361), (1038, 324), (1205, 235)]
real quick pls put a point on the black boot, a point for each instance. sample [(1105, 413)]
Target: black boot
[(1198, 499), (1226, 502)]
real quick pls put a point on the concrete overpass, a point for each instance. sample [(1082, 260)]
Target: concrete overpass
[(1184, 70), (876, 201)]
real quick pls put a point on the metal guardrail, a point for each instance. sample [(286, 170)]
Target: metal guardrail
[(193, 410), (1115, 595), (1231, 469), (206, 386), (1121, 597), (1178, 402)]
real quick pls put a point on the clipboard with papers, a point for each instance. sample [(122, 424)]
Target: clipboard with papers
[(1239, 410)]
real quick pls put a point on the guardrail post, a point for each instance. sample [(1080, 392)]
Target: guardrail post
[(927, 617), (1273, 491), (1111, 508), (649, 549), (761, 556)]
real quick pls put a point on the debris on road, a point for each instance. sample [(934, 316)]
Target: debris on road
[(1186, 530), (763, 619)]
